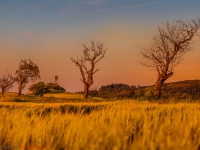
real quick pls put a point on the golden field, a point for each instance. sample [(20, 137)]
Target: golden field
[(64, 95), (117, 125)]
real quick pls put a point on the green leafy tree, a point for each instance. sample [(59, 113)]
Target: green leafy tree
[(6, 82), (27, 71)]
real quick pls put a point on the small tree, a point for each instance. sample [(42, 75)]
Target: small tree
[(92, 56), (6, 82), (27, 71), (169, 46)]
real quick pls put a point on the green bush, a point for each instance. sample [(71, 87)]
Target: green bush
[(40, 88), (55, 88)]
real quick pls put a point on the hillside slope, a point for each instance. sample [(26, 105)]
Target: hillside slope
[(182, 89), (188, 89)]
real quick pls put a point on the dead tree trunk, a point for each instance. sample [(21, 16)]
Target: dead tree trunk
[(92, 56), (85, 92), (162, 76), (159, 83), (158, 86), (169, 46)]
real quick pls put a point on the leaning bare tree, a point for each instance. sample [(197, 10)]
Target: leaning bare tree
[(87, 64), (27, 71), (6, 82), (169, 46)]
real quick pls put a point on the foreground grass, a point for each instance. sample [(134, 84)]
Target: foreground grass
[(104, 125)]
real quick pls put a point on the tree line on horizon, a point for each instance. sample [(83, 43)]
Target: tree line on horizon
[(188, 89), (173, 40)]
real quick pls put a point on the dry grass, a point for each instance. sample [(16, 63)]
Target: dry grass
[(69, 95), (48, 98), (8, 96), (64, 95), (96, 126)]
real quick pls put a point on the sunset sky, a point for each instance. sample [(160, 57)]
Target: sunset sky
[(50, 32)]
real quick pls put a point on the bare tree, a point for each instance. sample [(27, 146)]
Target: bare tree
[(6, 82), (169, 46), (27, 71), (92, 56)]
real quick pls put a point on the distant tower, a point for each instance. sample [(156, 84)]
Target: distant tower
[(56, 79)]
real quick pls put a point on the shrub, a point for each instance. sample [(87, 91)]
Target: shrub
[(40, 88), (55, 88)]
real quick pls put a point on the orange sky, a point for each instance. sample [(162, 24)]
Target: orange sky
[(120, 64)]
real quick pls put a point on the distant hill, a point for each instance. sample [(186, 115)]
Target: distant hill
[(182, 89), (188, 89)]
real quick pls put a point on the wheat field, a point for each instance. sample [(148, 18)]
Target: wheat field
[(64, 95), (118, 125)]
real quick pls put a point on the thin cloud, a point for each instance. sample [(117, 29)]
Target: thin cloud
[(124, 7), (72, 7), (140, 5), (89, 2), (95, 2), (27, 33)]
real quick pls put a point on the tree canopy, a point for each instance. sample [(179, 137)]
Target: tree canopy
[(27, 71)]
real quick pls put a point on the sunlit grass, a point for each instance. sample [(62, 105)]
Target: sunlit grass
[(69, 95), (8, 96), (48, 98), (64, 95), (105, 125)]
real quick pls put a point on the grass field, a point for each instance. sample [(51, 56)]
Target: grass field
[(47, 98), (82, 125), (65, 95)]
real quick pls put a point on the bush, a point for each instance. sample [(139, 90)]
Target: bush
[(40, 88), (55, 88)]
